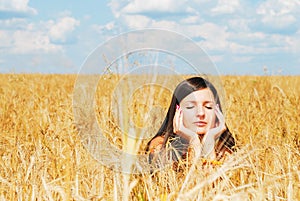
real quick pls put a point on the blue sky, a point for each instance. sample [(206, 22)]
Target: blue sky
[(241, 37)]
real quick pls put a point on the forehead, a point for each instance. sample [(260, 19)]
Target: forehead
[(202, 95)]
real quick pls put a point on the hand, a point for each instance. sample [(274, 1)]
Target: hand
[(180, 129), (212, 134), (192, 137)]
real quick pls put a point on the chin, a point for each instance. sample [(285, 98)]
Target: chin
[(201, 132)]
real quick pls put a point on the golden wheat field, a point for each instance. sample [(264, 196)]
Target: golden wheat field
[(42, 156)]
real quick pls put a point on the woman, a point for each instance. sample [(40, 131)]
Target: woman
[(193, 126)]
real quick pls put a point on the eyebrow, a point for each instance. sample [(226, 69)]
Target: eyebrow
[(205, 102)]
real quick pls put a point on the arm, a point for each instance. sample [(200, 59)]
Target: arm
[(210, 138), (155, 154), (156, 144), (195, 145)]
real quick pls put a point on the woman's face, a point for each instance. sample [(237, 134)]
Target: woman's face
[(198, 109)]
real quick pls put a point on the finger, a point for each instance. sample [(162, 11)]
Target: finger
[(219, 115), (180, 118), (221, 127), (217, 110), (175, 119), (174, 123)]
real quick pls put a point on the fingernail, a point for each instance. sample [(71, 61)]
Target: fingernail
[(177, 107)]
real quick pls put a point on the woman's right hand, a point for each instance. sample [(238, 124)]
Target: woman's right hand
[(182, 131)]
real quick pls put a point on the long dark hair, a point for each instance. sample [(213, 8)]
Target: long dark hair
[(226, 141)]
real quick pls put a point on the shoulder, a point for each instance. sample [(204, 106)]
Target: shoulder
[(156, 144)]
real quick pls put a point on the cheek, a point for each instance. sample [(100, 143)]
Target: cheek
[(187, 117), (211, 116)]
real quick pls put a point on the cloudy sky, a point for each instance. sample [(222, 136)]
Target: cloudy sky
[(241, 37)]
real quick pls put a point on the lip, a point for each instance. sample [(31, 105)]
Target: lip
[(200, 123)]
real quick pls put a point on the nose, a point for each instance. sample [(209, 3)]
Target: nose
[(200, 111)]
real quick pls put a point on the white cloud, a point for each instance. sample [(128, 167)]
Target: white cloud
[(215, 36), (60, 30), (13, 23), (191, 19), (259, 43), (289, 44), (21, 37), (139, 6), (277, 21), (279, 14), (26, 41), (5, 40), (135, 15), (137, 21), (16, 6), (166, 24), (249, 33), (153, 8), (103, 29), (294, 43), (216, 58), (116, 6), (201, 1), (109, 26), (226, 6), (239, 25)]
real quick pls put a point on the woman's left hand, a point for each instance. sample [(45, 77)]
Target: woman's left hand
[(212, 134)]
